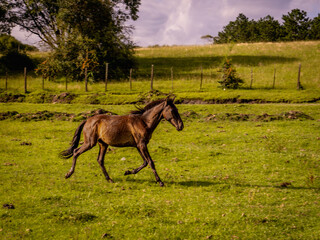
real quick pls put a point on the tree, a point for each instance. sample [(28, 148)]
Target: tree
[(296, 25), (71, 28), (10, 44), (5, 26), (269, 30), (229, 75), (240, 30), (207, 38), (315, 28)]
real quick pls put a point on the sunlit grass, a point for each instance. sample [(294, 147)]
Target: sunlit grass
[(224, 179)]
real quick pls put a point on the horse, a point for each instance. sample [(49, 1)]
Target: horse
[(132, 130)]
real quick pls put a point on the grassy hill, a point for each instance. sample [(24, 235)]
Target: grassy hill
[(258, 64)]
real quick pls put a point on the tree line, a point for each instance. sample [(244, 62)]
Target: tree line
[(295, 26)]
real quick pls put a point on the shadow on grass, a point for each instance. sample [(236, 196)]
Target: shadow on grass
[(223, 185), (186, 66), (210, 183)]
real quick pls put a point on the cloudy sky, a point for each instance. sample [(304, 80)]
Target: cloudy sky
[(183, 22)]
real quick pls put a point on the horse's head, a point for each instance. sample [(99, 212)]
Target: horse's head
[(171, 114)]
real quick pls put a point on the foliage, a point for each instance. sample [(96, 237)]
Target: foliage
[(269, 30), (71, 28), (315, 28), (229, 75), (9, 44), (14, 57), (14, 61), (5, 25), (296, 26)]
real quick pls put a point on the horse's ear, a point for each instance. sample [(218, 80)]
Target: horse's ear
[(167, 99)]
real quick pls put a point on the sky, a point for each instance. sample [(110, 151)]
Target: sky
[(183, 22)]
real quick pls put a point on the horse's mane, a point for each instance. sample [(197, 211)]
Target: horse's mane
[(141, 110)]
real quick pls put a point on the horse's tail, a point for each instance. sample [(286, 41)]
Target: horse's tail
[(74, 144)]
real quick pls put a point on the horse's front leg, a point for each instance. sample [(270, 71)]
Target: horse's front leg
[(143, 150)]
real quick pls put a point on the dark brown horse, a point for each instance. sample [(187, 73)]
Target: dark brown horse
[(133, 130)]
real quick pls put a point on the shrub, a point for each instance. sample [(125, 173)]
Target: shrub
[(14, 61), (229, 76)]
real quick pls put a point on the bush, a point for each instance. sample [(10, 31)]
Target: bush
[(14, 61), (229, 77)]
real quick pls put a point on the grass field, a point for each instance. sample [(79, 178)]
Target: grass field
[(236, 171), (186, 61), (226, 177)]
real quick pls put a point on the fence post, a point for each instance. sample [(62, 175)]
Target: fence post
[(106, 77), (172, 78), (299, 83), (251, 78), (130, 79), (86, 71), (43, 78), (152, 77), (274, 78), (201, 77), (25, 80), (66, 82), (86, 78), (6, 81)]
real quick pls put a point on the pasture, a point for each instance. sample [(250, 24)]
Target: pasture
[(270, 63), (239, 171)]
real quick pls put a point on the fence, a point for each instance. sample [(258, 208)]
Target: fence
[(199, 78)]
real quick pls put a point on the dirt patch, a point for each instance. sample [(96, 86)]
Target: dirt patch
[(9, 97), (291, 115), (296, 115), (147, 97), (190, 114), (8, 206), (63, 98), (62, 116), (221, 101), (46, 115)]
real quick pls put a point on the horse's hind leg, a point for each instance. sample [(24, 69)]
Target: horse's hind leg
[(102, 153), (76, 153), (145, 163)]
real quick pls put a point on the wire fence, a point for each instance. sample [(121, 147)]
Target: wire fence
[(167, 78)]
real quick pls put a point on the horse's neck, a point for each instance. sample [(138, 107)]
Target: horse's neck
[(152, 117)]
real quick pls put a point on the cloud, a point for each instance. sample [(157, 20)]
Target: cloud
[(185, 21), (177, 24)]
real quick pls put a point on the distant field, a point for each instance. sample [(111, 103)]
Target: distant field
[(186, 62)]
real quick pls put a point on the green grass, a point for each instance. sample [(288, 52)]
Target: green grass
[(223, 179), (186, 61)]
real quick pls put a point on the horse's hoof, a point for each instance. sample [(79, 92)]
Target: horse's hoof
[(161, 184), (110, 180), (67, 175), (127, 173)]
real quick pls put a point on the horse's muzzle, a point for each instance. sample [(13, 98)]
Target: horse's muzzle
[(180, 126)]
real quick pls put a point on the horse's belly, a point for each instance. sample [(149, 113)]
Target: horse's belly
[(116, 131), (120, 138)]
